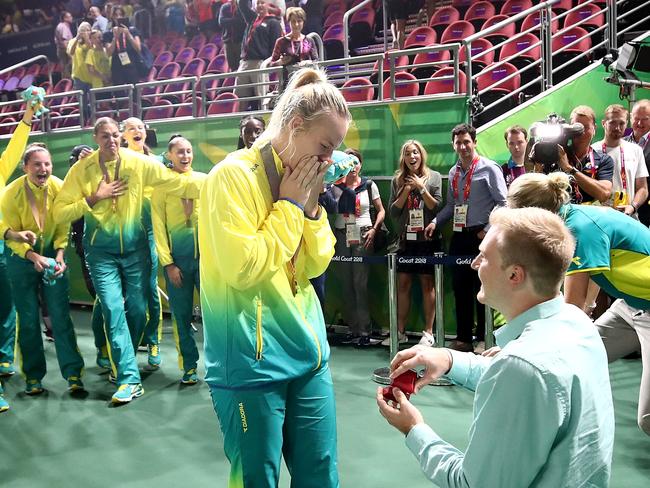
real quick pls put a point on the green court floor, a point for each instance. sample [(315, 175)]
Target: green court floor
[(170, 437)]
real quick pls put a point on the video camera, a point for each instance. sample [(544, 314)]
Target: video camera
[(545, 136)]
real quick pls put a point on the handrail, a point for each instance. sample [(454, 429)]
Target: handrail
[(30, 61), (319, 42), (642, 18), (346, 29)]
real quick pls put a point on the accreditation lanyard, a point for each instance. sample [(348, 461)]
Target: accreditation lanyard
[(468, 179), (593, 169), (107, 177), (623, 174), (188, 209), (39, 215), (117, 42)]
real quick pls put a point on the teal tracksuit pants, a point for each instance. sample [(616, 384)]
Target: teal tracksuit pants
[(119, 282), (7, 313), (295, 419), (153, 329), (25, 283), (181, 301)]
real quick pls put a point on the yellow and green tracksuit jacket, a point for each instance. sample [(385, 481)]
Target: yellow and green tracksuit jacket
[(171, 230), (116, 231), (18, 216), (79, 68), (9, 160), (256, 330)]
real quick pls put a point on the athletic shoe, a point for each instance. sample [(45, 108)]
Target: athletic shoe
[(111, 378), (4, 406), (190, 377), (363, 342), (403, 339), (427, 339), (126, 393), (102, 358), (75, 384), (34, 387), (154, 358), (350, 339), (6, 369)]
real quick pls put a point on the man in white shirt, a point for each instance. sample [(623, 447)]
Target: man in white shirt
[(629, 182), (62, 35)]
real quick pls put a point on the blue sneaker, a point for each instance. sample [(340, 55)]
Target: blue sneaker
[(33, 387), (102, 358), (75, 384), (126, 393), (154, 358), (190, 377), (4, 406), (7, 369)]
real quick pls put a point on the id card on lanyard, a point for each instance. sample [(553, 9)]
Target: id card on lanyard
[(122, 55), (415, 217), (620, 197), (461, 209), (352, 230)]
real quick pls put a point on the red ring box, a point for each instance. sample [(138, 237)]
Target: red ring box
[(405, 382)]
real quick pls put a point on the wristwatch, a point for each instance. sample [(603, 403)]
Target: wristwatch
[(572, 171)]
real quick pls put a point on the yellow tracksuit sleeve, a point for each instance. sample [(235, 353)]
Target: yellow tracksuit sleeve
[(14, 152), (245, 250), (318, 241), (158, 220), (18, 216), (70, 203)]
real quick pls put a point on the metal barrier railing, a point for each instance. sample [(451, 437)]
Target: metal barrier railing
[(66, 110), (11, 113), (341, 70), (34, 59), (346, 25), (182, 89), (318, 41), (111, 101), (636, 10)]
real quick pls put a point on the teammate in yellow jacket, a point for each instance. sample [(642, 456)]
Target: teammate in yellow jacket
[(175, 225), (106, 188), (262, 236), (8, 162), (40, 266)]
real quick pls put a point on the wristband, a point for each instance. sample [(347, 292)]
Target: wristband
[(572, 171)]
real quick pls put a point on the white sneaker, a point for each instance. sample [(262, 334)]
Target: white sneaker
[(427, 339), (402, 339)]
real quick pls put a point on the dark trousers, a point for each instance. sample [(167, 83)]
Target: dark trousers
[(466, 285)]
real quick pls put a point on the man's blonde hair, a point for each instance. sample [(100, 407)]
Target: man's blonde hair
[(549, 192), (616, 108), (585, 111), (538, 241)]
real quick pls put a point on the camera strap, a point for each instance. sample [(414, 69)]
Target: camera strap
[(623, 174)]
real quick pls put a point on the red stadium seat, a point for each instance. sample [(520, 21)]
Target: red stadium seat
[(184, 56), (457, 31), (401, 89), (163, 58), (514, 7), (568, 45), (225, 103), (532, 20), (177, 44), (358, 90), (424, 72), (169, 71), (420, 37), (208, 52), (501, 35), (588, 16), (442, 17), (162, 110), (333, 42), (439, 85), (218, 65), (493, 80), (479, 12), (481, 54)]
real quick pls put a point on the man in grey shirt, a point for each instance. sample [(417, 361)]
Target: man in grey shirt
[(476, 186)]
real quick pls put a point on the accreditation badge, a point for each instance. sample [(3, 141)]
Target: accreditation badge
[(124, 58), (416, 220), (352, 230), (460, 217)]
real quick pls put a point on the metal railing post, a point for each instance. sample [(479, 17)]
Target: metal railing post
[(612, 29), (547, 47), (382, 375), (346, 32), (440, 317)]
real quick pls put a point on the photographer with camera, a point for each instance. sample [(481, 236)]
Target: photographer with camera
[(124, 47), (630, 187), (640, 121), (591, 170)]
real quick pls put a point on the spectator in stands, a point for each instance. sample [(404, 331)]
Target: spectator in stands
[(592, 170), (250, 128), (516, 139), (9, 25), (191, 18), (629, 182), (295, 47), (207, 21), (77, 8), (175, 17), (355, 233), (398, 13), (314, 15), (233, 26), (98, 20), (123, 46), (97, 61), (262, 30), (62, 35), (78, 49), (640, 121), (415, 196), (476, 186)]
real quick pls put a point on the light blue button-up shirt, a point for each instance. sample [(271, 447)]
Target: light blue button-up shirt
[(543, 413)]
